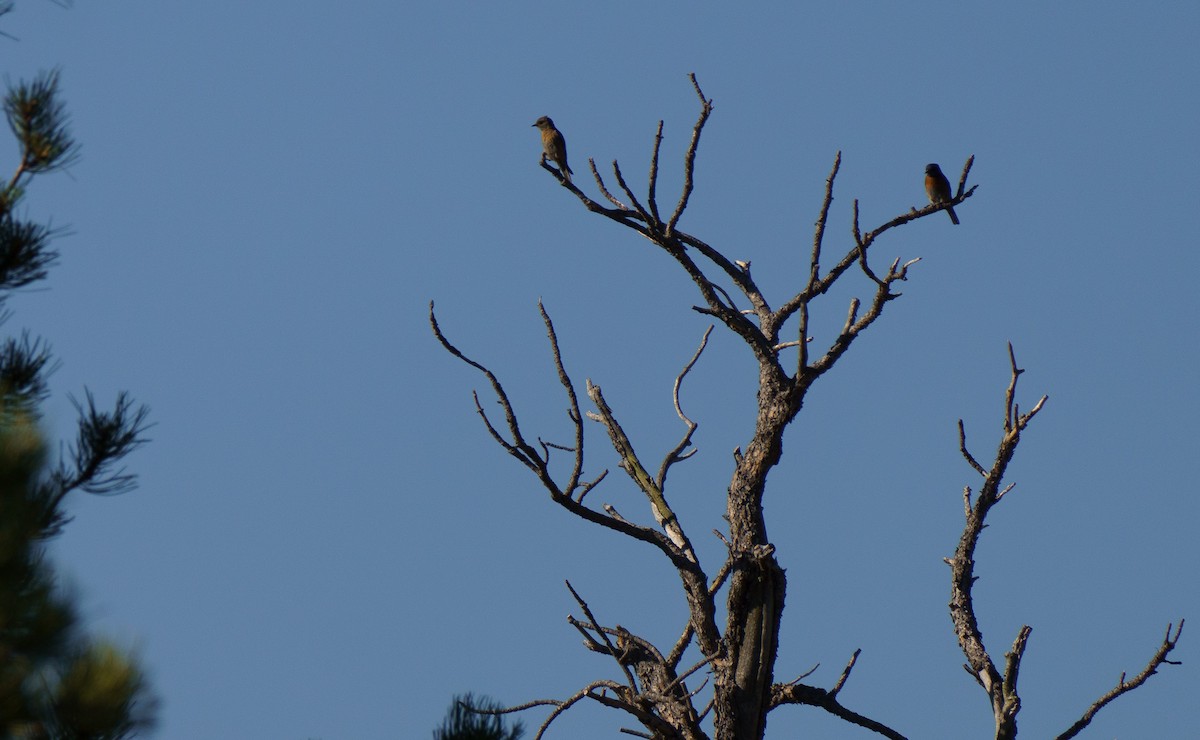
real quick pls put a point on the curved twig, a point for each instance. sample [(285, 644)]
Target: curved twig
[(1123, 686), (706, 108), (675, 455)]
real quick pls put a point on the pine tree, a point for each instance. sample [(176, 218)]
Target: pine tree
[(56, 680), (468, 718)]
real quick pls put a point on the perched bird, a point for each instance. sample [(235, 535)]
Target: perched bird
[(554, 146), (937, 187)]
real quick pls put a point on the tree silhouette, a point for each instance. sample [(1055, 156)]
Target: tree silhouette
[(738, 652)]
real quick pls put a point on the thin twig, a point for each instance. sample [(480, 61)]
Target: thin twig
[(845, 673), (572, 397), (675, 455), (603, 637), (706, 108), (632, 198), (822, 219), (603, 188), (962, 447), (1123, 686), (651, 196)]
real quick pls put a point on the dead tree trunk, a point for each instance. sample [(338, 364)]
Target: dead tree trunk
[(740, 655)]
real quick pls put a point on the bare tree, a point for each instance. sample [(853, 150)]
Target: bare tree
[(739, 655)]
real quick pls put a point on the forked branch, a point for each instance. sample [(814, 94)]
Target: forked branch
[(632, 465), (1124, 686), (827, 699), (654, 693), (1001, 688), (689, 167), (677, 454), (538, 462)]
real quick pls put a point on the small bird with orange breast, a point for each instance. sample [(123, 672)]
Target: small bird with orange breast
[(554, 146), (937, 187)]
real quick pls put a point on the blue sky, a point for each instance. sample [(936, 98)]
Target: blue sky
[(325, 543)]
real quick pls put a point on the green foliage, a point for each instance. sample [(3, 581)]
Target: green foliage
[(461, 723), (98, 694), (39, 121), (56, 681)]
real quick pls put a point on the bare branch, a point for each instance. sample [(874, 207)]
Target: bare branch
[(815, 262), (642, 713), (559, 706), (612, 511), (655, 694), (518, 447), (803, 339), (573, 398), (487, 423), (675, 455), (862, 244), (586, 487), (689, 631), (683, 676), (962, 447), (862, 260), (632, 198), (651, 197), (530, 457), (846, 672), (902, 273), (851, 315), (855, 326), (603, 189), (855, 228), (562, 178), (587, 612), (553, 446), (822, 219), (1001, 689), (1012, 669), (1010, 395), (1013, 418), (962, 181), (1123, 686), (562, 706), (496, 712), (729, 299), (798, 693), (633, 466), (706, 108), (589, 642), (786, 345)]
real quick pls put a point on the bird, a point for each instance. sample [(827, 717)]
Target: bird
[(554, 146), (937, 187)]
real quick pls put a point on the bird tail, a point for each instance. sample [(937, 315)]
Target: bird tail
[(953, 215)]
